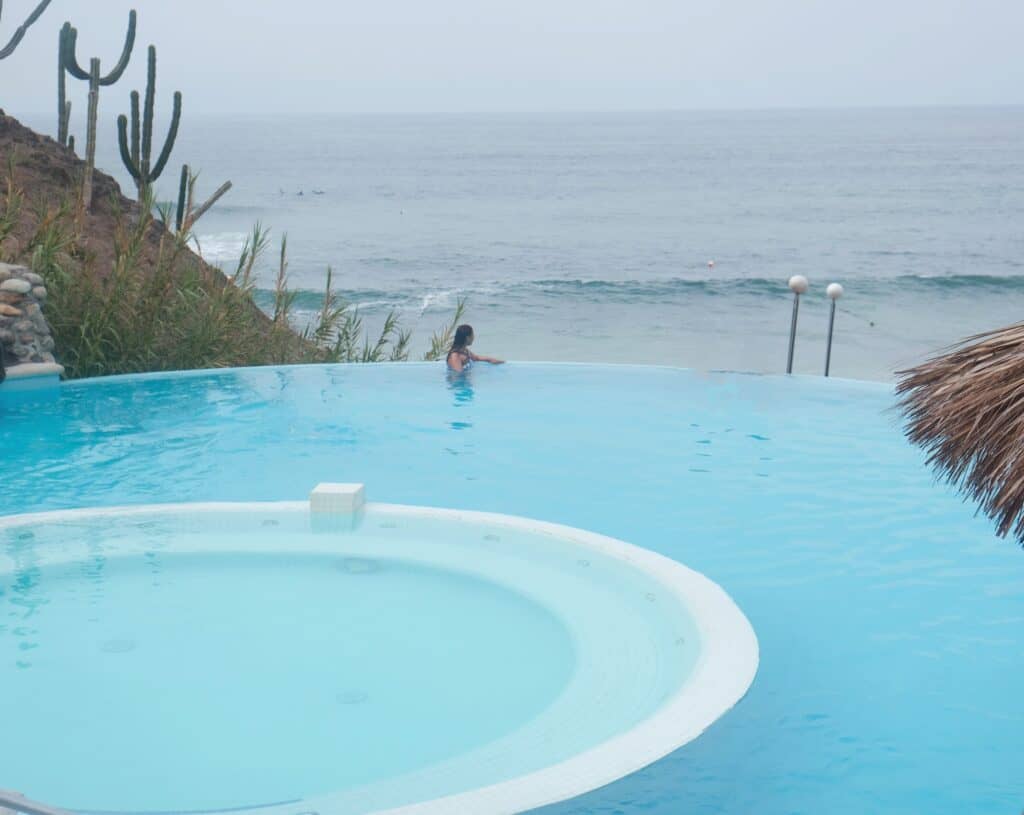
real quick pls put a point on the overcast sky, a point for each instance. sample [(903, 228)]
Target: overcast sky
[(534, 55)]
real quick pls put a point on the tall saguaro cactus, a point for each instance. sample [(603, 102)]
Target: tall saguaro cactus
[(19, 32), (138, 157), (63, 103), (69, 62)]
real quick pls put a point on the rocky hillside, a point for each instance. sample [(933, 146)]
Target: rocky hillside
[(49, 175), (124, 294)]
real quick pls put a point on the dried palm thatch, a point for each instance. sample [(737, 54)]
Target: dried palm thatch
[(966, 409)]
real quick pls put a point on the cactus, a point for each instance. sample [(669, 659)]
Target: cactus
[(185, 186), (63, 105), (138, 157), (69, 62), (187, 213), (19, 32)]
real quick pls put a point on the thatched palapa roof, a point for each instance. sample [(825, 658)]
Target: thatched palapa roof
[(966, 409)]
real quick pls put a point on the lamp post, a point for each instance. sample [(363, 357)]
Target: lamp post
[(798, 285), (834, 292)]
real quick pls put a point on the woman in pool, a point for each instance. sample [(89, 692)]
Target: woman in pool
[(460, 358)]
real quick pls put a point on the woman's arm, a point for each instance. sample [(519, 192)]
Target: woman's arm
[(491, 360)]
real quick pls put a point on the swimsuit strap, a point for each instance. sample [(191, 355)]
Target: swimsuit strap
[(462, 352)]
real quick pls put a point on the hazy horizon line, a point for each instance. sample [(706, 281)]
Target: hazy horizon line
[(594, 111)]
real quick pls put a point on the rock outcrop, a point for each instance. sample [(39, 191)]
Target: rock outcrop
[(24, 333)]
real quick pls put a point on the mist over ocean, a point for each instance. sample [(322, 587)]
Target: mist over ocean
[(588, 237)]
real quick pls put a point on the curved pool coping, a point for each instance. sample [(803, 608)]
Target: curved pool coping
[(724, 671)]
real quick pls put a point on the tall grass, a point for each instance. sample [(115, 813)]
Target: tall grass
[(160, 308), (13, 201)]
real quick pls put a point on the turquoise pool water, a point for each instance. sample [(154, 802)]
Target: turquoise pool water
[(890, 620), (239, 658)]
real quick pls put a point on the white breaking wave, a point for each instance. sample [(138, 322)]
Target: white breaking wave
[(220, 247), (444, 299), (438, 299)]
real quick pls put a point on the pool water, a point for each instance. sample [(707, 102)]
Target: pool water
[(890, 618), (267, 656), (254, 705)]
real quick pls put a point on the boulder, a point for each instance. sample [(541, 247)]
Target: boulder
[(24, 332), (16, 285)]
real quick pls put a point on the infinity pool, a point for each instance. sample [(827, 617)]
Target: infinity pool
[(890, 619)]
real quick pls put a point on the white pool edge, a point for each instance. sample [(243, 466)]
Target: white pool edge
[(724, 672)]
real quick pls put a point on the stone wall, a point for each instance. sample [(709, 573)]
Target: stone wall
[(24, 332)]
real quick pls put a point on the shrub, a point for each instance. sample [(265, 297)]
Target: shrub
[(162, 308)]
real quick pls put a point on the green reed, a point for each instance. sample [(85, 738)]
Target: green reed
[(158, 308)]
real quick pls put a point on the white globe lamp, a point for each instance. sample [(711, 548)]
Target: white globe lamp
[(798, 285), (834, 292)]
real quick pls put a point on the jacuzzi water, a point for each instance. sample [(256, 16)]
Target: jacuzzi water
[(200, 660), (890, 618)]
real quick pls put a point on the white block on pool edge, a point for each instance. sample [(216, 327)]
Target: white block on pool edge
[(338, 498)]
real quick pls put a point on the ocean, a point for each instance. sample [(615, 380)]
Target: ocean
[(662, 238)]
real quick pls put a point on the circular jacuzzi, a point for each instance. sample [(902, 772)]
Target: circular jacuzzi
[(212, 657)]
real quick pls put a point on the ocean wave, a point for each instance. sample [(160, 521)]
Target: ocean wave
[(638, 291), (634, 289), (778, 287), (405, 300), (220, 247), (960, 281)]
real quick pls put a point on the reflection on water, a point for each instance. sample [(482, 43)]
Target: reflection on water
[(460, 383), (24, 599), (28, 588)]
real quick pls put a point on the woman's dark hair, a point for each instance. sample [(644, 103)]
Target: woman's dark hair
[(462, 335)]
